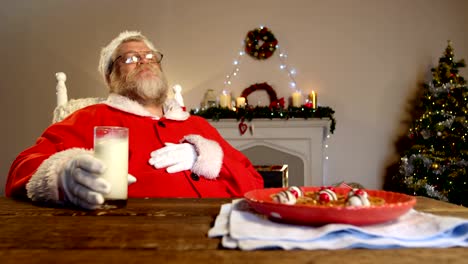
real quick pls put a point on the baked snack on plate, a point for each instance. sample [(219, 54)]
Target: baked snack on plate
[(322, 205)]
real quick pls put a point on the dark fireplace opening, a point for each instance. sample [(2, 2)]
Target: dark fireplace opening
[(262, 155)]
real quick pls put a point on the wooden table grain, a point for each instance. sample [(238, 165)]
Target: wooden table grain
[(170, 231)]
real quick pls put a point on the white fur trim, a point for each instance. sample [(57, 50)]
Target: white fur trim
[(43, 185), (172, 109), (71, 106), (210, 156), (108, 51), (127, 105)]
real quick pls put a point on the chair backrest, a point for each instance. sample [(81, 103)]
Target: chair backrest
[(64, 106)]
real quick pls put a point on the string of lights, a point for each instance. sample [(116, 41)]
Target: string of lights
[(284, 66)]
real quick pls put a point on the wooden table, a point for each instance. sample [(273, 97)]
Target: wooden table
[(169, 231)]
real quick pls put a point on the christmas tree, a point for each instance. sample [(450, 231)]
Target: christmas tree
[(435, 165)]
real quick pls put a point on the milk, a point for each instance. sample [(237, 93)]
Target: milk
[(114, 153)]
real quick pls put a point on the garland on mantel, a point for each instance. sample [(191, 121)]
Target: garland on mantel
[(249, 113)]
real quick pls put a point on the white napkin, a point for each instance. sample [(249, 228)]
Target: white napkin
[(241, 227)]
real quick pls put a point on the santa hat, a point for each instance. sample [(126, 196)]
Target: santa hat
[(108, 52)]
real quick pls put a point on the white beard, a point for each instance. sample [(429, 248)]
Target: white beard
[(151, 89), (143, 90)]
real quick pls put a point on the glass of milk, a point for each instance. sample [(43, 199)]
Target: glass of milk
[(111, 147)]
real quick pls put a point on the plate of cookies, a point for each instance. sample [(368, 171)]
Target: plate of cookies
[(326, 204)]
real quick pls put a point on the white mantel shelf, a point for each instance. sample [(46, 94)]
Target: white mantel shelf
[(303, 138)]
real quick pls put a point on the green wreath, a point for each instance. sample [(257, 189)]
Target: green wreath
[(260, 43)]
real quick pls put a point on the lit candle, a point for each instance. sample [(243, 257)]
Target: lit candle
[(296, 99), (240, 102), (225, 100), (313, 99)]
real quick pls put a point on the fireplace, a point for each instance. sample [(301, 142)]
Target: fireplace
[(275, 142)]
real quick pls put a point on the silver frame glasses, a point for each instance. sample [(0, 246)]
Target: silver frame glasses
[(137, 57)]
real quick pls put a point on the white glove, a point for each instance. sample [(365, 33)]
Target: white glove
[(176, 157), (81, 183)]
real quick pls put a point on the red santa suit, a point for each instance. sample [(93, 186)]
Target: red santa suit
[(219, 171)]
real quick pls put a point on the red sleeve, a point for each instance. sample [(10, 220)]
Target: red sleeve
[(25, 165), (239, 173), (50, 142), (237, 170)]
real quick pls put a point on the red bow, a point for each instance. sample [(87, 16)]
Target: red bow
[(277, 103)]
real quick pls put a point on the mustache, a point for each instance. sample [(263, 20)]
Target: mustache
[(143, 67)]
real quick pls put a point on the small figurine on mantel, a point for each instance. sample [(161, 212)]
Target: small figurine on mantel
[(210, 99)]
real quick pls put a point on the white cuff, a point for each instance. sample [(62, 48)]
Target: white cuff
[(210, 156), (43, 186)]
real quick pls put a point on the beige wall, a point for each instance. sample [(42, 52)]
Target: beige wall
[(364, 58)]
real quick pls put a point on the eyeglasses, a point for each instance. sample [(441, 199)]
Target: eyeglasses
[(135, 57)]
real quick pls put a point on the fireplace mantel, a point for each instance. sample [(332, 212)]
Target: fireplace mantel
[(303, 138)]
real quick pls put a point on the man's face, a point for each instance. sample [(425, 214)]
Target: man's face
[(142, 81), (133, 47)]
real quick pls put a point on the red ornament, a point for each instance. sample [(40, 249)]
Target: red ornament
[(324, 198), (277, 103), (294, 192), (359, 192)]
